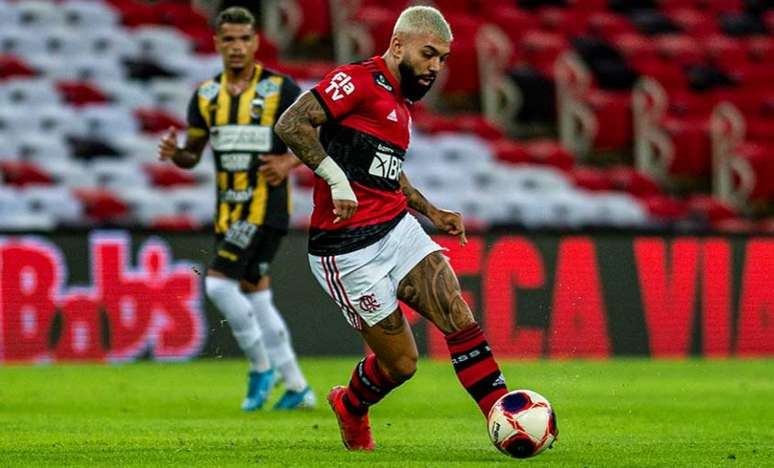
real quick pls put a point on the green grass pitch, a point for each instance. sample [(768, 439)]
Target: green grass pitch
[(615, 413)]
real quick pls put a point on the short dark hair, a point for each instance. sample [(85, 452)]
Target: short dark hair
[(235, 15)]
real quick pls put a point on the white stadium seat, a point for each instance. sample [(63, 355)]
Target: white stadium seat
[(88, 14), (38, 91), (57, 201)]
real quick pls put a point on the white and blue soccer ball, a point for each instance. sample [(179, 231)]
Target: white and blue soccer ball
[(522, 424)]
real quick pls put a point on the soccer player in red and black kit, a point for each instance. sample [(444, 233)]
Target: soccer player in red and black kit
[(365, 249)]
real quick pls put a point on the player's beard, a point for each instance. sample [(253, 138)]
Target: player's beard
[(410, 86)]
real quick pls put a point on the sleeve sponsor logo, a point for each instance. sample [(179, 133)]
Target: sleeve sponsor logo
[(381, 80), (252, 138), (341, 85), (209, 90)]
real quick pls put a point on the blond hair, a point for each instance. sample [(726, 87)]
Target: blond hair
[(423, 20)]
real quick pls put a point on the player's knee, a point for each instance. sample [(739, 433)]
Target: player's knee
[(403, 368)]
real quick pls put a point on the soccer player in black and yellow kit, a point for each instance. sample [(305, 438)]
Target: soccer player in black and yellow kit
[(236, 112)]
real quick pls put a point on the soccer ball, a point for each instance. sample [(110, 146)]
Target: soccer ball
[(522, 424)]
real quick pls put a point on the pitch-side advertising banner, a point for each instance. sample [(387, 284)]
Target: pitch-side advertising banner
[(120, 296)]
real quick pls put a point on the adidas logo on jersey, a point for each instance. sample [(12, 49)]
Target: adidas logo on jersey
[(392, 116)]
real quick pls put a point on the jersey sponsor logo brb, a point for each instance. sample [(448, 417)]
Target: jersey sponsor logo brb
[(340, 85)]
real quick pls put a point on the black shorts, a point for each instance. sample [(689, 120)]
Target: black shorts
[(246, 250)]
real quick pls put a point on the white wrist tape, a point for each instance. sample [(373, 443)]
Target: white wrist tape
[(334, 175)]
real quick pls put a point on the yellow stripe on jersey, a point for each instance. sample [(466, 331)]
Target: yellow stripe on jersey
[(258, 205), (246, 99), (204, 105), (222, 223), (271, 103), (222, 113)]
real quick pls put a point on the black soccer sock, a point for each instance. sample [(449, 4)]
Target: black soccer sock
[(475, 366)]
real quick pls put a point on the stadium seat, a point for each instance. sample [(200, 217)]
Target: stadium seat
[(12, 66), (58, 201)]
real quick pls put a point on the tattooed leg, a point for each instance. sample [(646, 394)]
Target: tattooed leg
[(393, 343), (432, 289)]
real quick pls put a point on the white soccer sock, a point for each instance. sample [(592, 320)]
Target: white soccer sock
[(277, 339), (225, 294)]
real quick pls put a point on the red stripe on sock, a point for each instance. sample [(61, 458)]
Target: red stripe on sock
[(363, 391), (469, 345), (463, 335), (476, 372), (377, 375)]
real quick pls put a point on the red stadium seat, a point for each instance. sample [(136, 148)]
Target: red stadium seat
[(549, 152), (462, 77), (509, 151), (166, 175), (12, 66), (174, 223), (754, 170), (316, 20), (694, 22), (690, 137), (607, 25), (725, 51), (23, 173), (614, 119), (101, 205), (135, 13), (627, 179), (540, 49), (591, 178), (78, 93), (156, 121), (681, 49), (709, 209), (512, 20), (665, 208)]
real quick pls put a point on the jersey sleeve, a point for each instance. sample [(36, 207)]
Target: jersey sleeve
[(342, 90), (196, 121)]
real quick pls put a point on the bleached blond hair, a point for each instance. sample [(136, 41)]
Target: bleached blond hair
[(423, 20)]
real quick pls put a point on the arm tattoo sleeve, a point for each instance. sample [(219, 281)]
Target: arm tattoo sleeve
[(297, 128), (416, 200)]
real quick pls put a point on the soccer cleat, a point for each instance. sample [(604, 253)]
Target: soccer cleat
[(304, 399), (355, 430), (258, 386)]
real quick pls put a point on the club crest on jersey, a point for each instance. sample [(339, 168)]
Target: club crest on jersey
[(340, 85), (256, 108), (266, 88), (381, 80), (209, 90)]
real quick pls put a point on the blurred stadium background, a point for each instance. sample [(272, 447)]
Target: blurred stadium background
[(614, 160)]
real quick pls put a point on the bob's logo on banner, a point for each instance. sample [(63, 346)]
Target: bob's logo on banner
[(154, 308)]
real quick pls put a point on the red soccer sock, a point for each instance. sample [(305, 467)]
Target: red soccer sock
[(475, 366), (368, 385)]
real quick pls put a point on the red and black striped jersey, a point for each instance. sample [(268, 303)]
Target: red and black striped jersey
[(367, 134)]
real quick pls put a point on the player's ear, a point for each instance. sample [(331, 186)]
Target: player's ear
[(396, 47)]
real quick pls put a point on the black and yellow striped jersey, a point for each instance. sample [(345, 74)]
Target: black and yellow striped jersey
[(241, 128)]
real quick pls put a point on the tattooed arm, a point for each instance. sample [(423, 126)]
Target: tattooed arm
[(444, 220), (297, 127)]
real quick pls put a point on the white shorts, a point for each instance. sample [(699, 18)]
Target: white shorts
[(364, 283)]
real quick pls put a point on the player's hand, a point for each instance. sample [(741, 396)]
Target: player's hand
[(343, 209), (276, 168), (168, 144), (450, 222)]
